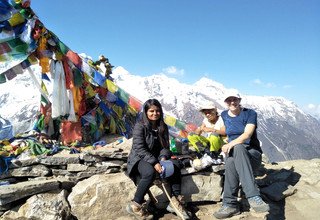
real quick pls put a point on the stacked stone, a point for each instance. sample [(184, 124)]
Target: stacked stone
[(62, 171)]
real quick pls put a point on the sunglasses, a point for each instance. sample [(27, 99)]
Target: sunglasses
[(208, 111), (232, 99)]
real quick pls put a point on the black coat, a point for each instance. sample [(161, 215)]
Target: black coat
[(142, 145)]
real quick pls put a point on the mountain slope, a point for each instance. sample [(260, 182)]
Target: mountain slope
[(286, 132), (20, 100)]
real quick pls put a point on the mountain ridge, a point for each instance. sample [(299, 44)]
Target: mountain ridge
[(286, 131)]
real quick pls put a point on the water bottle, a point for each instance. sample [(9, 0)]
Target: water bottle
[(173, 145)]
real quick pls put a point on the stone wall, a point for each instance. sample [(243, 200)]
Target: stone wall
[(93, 185)]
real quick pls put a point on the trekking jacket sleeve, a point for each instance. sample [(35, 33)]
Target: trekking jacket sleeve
[(142, 142)]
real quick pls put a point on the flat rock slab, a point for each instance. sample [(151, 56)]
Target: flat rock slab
[(13, 192)]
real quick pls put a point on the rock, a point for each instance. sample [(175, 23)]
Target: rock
[(60, 160), (66, 183), (304, 204), (30, 171), (76, 167), (108, 152), (49, 206), (91, 158), (202, 187), (24, 163), (100, 194), (277, 191), (291, 188), (13, 192), (113, 163), (60, 172)]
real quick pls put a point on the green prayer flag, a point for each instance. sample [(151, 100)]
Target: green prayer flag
[(2, 78)]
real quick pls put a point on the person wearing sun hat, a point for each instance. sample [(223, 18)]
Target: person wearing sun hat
[(207, 138), (243, 157)]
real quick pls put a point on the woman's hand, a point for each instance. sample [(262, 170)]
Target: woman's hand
[(158, 168)]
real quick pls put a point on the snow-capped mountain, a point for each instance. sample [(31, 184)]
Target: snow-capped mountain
[(19, 101), (286, 132)]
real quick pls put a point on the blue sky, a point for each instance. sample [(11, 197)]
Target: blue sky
[(256, 46)]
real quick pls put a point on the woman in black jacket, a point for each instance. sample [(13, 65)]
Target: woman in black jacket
[(150, 146)]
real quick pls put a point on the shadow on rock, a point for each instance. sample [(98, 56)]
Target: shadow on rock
[(275, 186)]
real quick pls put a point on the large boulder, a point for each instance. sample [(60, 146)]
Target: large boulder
[(50, 206), (101, 197), (109, 194)]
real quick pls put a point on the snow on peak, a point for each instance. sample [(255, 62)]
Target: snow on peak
[(170, 91), (206, 82), (119, 70)]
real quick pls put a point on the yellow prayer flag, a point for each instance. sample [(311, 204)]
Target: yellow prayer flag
[(111, 86), (16, 19), (169, 120)]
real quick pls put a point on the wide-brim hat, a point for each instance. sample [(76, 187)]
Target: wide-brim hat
[(232, 95), (207, 106), (167, 168)]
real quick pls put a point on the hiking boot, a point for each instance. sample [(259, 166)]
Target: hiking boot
[(140, 212), (258, 204), (176, 205), (226, 212)]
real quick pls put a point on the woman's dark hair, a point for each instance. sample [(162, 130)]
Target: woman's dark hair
[(163, 133)]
